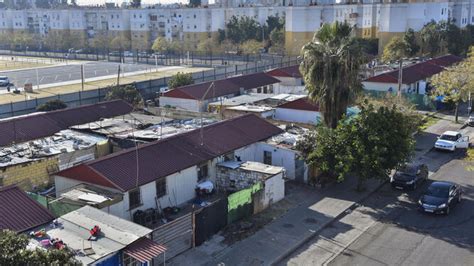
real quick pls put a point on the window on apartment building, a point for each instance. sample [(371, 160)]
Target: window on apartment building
[(195, 26), (134, 198), (161, 187), (267, 157), (194, 15), (153, 18), (203, 171)]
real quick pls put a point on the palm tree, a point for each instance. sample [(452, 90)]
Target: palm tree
[(330, 68)]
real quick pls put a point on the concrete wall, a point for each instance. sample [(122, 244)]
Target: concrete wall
[(186, 104), (297, 116), (274, 190), (280, 157), (406, 88)]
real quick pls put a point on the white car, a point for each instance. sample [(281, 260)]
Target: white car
[(452, 140)]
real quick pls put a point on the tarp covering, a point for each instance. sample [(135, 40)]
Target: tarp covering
[(242, 197)]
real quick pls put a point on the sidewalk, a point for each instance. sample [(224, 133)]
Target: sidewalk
[(283, 235), (293, 229)]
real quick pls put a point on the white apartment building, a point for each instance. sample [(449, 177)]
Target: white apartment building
[(374, 19)]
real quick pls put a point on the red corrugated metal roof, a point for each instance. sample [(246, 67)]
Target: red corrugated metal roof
[(303, 104), (144, 250), (417, 72), (18, 212), (222, 87), (288, 72), (165, 157), (30, 127)]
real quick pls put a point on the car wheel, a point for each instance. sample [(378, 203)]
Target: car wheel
[(447, 210)]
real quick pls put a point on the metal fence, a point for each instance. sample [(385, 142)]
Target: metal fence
[(169, 59), (149, 89)]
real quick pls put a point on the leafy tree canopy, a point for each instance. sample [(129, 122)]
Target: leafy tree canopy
[(13, 251), (51, 105), (127, 93), (180, 79)]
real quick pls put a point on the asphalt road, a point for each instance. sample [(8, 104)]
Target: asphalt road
[(64, 73), (405, 236)]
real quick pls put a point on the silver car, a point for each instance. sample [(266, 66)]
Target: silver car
[(4, 81), (470, 120)]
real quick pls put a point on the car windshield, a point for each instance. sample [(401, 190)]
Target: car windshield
[(438, 191), (448, 137), (408, 170), (3, 78)]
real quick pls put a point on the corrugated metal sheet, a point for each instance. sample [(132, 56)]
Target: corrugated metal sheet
[(177, 235), (303, 104), (222, 87), (417, 72), (288, 72), (165, 157), (18, 212), (113, 227), (30, 127), (144, 250)]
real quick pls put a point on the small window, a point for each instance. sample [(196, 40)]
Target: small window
[(267, 157), (203, 171), (134, 198), (161, 187)]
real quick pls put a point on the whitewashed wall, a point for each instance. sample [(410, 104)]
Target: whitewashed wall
[(274, 190), (297, 116), (186, 104)]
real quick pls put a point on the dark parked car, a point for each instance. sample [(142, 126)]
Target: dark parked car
[(440, 197), (409, 176)]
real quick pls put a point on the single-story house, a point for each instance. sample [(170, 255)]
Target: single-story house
[(291, 80), (414, 77), (117, 241), (165, 173), (196, 97), (19, 212), (298, 111)]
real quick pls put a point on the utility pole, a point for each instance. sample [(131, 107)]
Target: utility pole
[(201, 105), (118, 76), (400, 71), (82, 76), (37, 80)]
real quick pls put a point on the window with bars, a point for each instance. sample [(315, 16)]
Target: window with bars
[(161, 187)]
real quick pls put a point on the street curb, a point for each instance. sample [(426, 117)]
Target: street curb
[(316, 233)]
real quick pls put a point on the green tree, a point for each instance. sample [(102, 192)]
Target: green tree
[(51, 105), (395, 50), (380, 140), (14, 251), (412, 46), (127, 93), (160, 45), (274, 22), (431, 39), (330, 68), (242, 29), (101, 41), (455, 83), (250, 47), (368, 146), (368, 46), (277, 38), (180, 79), (120, 43), (209, 45), (21, 40)]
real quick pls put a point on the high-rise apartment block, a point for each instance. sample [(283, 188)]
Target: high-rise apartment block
[(374, 19)]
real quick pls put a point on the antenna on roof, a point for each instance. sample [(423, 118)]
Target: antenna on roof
[(201, 111)]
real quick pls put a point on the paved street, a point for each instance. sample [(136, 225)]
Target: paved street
[(57, 74), (387, 229)]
